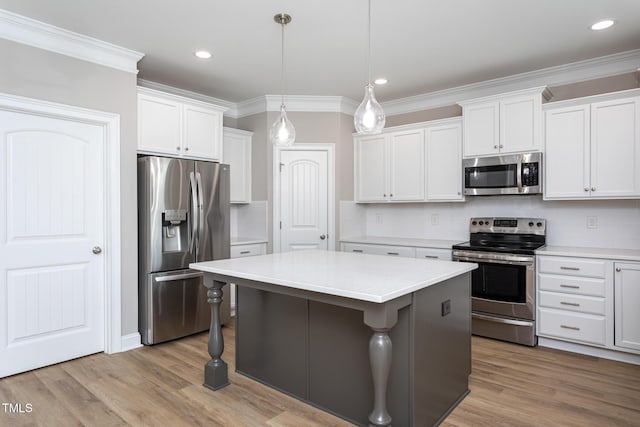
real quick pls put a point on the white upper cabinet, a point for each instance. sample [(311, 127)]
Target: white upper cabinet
[(443, 166), (237, 154), (390, 167), (175, 126), (501, 124), (593, 147)]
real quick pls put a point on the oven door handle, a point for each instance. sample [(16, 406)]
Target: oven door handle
[(501, 320), (504, 259)]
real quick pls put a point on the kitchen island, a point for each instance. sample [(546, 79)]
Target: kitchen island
[(369, 338)]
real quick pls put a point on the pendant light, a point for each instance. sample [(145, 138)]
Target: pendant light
[(282, 132), (369, 117)]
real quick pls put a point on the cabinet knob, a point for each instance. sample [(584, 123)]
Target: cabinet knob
[(390, 195), (459, 193), (593, 188), (586, 189), (186, 148), (618, 269), (323, 236), (495, 146), (501, 146), (384, 195), (178, 148)]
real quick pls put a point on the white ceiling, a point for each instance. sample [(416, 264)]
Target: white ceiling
[(421, 46)]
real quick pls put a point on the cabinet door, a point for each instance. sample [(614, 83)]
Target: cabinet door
[(615, 148), (406, 165), (627, 301), (159, 124), (444, 162), (520, 123), (481, 129), (566, 162), (371, 169), (202, 132), (237, 154)]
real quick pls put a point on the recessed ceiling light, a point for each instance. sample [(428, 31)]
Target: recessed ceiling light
[(380, 81), (202, 54), (603, 25)]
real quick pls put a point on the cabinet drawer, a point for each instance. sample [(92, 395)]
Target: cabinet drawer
[(573, 326), (404, 251), (432, 253), (579, 303), (572, 285), (572, 266), (239, 251)]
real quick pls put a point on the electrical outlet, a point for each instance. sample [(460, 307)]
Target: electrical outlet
[(435, 219), (379, 218), (446, 307), (592, 222)]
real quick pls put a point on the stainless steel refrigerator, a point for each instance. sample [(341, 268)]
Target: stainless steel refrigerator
[(183, 217)]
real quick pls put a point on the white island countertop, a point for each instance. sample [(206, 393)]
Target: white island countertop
[(372, 278)]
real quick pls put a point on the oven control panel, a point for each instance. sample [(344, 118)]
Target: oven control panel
[(536, 226)]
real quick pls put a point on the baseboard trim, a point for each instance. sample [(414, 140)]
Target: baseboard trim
[(131, 341), (602, 353)]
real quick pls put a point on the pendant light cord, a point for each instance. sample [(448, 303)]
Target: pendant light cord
[(369, 46), (282, 59)]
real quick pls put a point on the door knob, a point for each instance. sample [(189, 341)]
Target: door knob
[(323, 236), (96, 250)]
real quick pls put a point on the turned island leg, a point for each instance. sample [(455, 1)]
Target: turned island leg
[(215, 370), (380, 352)]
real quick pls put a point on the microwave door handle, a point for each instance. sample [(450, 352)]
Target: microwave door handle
[(200, 210), (194, 210), (519, 175)]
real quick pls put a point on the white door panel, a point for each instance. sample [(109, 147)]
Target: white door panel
[(51, 217), (304, 205)]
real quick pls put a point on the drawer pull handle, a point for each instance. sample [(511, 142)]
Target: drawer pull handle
[(573, 304), (570, 268), (431, 256), (244, 252), (570, 286), (393, 253), (573, 328), (356, 250)]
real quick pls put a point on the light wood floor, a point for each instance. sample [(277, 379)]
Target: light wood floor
[(511, 385)]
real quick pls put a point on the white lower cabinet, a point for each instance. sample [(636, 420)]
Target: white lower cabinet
[(434, 253), (574, 299), (239, 251), (363, 248), (627, 305), (392, 250)]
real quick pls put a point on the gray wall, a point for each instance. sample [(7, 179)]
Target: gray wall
[(36, 73)]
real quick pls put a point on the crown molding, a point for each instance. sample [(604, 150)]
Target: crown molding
[(589, 69), (226, 105), (38, 34), (301, 103)]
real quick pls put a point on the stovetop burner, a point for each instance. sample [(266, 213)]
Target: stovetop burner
[(505, 235)]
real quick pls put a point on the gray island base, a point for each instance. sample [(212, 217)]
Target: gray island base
[(402, 359)]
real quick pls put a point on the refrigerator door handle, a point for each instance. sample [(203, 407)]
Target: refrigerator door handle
[(194, 211), (200, 209)]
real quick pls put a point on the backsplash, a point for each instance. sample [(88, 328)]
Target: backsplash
[(617, 221), (249, 221)]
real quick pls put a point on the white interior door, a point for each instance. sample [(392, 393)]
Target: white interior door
[(304, 204), (52, 219)]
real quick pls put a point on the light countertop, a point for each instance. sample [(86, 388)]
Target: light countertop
[(373, 278), (581, 252), (401, 241)]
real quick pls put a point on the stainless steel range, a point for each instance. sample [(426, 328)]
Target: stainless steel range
[(503, 287)]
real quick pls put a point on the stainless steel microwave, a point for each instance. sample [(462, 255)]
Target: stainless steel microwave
[(506, 174)]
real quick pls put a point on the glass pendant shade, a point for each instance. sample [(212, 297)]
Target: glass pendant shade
[(369, 118), (282, 132)]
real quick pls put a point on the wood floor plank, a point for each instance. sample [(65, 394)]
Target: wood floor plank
[(510, 385)]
